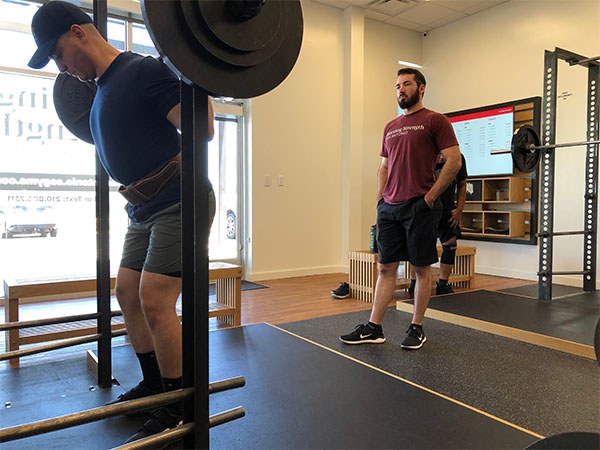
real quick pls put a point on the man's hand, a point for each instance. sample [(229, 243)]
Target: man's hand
[(429, 199), (454, 219)]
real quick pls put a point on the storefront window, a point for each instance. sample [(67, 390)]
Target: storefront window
[(142, 43), (47, 175)]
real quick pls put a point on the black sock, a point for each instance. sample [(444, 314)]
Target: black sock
[(172, 384), (413, 283), (442, 282), (375, 326), (150, 371)]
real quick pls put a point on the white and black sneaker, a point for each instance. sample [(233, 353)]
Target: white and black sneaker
[(364, 334), (343, 291), (415, 338)]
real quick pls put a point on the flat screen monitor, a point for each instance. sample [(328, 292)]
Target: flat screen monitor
[(479, 133), (481, 130)]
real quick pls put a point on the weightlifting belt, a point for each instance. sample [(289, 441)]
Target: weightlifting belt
[(145, 189)]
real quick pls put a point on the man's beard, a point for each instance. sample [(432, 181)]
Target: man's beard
[(406, 103)]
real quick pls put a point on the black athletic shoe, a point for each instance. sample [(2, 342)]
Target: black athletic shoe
[(364, 334), (140, 391), (443, 289), (411, 288), (160, 420), (343, 291), (415, 338)]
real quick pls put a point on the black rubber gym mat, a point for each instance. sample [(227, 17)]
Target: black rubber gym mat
[(540, 389), (531, 290), (301, 396), (572, 318), (42, 391), (297, 395)]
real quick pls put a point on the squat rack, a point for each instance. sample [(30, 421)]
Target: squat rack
[(590, 220), (195, 230)]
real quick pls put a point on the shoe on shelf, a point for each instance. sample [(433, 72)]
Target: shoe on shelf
[(139, 391), (343, 291), (160, 420), (443, 289), (411, 288), (364, 334), (415, 338)]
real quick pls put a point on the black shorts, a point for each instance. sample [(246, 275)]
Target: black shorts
[(408, 232), (445, 230)]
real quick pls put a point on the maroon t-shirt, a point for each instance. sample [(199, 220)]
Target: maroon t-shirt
[(411, 143)]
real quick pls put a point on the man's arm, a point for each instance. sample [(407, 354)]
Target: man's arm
[(382, 175), (461, 197), (174, 116), (451, 167)]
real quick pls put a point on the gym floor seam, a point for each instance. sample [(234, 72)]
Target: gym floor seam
[(412, 383)]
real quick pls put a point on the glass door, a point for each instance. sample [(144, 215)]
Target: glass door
[(225, 170)]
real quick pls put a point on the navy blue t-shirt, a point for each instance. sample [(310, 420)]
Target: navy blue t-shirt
[(129, 124)]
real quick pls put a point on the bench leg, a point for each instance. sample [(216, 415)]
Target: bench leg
[(229, 292), (11, 314), (471, 271), (237, 318)]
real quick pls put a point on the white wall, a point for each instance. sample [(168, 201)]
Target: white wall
[(497, 56), (321, 129), (297, 133)]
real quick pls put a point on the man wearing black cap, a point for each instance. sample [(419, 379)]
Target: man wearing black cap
[(134, 121)]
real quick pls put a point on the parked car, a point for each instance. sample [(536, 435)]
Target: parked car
[(27, 221), (230, 225)]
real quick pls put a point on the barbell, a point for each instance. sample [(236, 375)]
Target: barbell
[(526, 146)]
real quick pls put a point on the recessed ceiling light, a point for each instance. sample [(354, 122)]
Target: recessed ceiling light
[(409, 64)]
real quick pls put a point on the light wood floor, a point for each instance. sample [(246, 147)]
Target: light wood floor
[(301, 298), (284, 300)]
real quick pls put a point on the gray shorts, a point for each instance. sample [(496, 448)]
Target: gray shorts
[(155, 244)]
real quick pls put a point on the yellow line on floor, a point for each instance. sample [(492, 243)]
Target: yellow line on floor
[(554, 343), (412, 383)]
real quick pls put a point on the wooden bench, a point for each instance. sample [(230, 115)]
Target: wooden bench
[(226, 307), (363, 272)]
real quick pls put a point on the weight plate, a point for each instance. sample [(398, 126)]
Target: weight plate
[(206, 45), (204, 22), (73, 101), (243, 34), (524, 159)]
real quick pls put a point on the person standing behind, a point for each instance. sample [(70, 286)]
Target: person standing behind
[(134, 120), (453, 203), (408, 204)]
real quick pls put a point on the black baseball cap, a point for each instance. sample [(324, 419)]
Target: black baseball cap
[(50, 22)]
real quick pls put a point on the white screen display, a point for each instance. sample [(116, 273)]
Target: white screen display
[(481, 132)]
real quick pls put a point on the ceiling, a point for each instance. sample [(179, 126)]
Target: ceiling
[(418, 15)]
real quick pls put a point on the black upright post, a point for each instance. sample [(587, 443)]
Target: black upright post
[(194, 216), (102, 244), (590, 217), (547, 176)]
